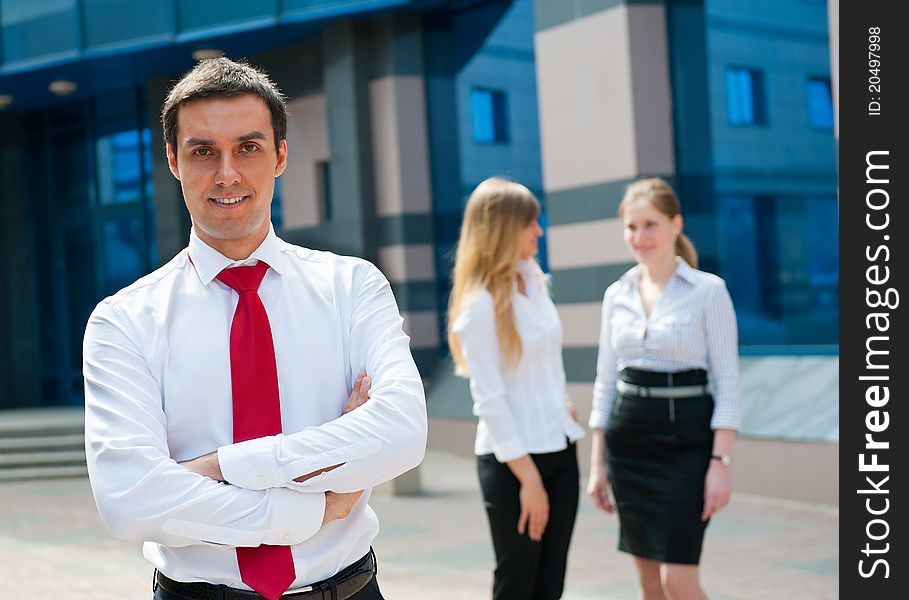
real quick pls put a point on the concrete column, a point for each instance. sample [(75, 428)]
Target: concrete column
[(400, 150), (345, 49), (833, 22), (605, 110)]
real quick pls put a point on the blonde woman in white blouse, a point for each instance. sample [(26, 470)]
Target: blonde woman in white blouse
[(661, 441), (505, 335)]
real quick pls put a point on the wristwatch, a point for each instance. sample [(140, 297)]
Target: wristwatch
[(724, 459)]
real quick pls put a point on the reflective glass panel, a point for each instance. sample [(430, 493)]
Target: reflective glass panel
[(123, 248), (35, 29), (108, 22), (193, 14)]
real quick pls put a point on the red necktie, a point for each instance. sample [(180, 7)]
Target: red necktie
[(257, 412)]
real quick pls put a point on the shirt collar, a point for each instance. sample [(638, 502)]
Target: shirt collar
[(531, 274), (683, 270), (208, 262)]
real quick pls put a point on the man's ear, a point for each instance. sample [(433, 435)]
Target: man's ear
[(172, 161), (282, 158)]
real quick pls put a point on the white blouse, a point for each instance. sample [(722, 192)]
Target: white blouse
[(523, 409), (691, 326)]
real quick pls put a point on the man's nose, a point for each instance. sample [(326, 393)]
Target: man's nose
[(227, 173)]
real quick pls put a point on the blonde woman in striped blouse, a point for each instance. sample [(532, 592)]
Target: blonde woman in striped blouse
[(662, 442)]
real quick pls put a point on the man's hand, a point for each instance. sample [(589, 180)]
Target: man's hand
[(206, 465), (359, 394), (358, 397), (338, 505)]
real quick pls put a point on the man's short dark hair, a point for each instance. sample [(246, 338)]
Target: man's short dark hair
[(224, 78)]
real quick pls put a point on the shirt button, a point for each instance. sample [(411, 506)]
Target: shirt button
[(260, 478), (287, 537)]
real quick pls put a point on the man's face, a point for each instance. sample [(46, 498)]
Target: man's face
[(226, 162)]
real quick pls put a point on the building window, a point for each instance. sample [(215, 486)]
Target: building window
[(745, 102), (323, 186), (820, 103), (779, 256), (489, 116)]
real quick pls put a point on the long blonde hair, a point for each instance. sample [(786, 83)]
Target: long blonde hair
[(662, 197), (487, 256)]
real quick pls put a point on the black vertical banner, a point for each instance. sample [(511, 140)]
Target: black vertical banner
[(874, 421)]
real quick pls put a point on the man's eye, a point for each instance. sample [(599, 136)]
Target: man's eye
[(201, 152), (248, 148)]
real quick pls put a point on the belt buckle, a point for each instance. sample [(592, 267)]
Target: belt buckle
[(302, 590)]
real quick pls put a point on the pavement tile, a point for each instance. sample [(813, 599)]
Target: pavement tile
[(433, 546)]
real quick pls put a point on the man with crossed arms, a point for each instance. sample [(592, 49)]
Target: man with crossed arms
[(226, 424)]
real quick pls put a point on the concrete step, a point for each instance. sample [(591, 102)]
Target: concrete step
[(50, 472), (39, 459), (41, 422), (34, 443), (42, 443)]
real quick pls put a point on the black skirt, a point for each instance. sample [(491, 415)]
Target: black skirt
[(658, 451)]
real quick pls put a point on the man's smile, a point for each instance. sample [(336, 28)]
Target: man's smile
[(228, 201)]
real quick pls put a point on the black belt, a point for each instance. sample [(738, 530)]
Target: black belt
[(345, 584)]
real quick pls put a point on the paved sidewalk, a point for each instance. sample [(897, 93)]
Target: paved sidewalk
[(434, 546)]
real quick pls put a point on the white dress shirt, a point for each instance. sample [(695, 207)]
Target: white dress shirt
[(521, 410), (691, 326), (158, 391)]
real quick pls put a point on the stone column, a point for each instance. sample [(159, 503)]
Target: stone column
[(604, 91)]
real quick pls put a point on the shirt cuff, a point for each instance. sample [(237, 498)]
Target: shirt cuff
[(307, 511), (509, 450), (251, 464), (598, 419), (721, 421)]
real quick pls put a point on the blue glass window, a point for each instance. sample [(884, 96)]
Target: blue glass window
[(820, 103), (34, 30), (488, 116), (122, 241), (780, 259), (745, 102), (277, 208), (193, 15), (106, 22)]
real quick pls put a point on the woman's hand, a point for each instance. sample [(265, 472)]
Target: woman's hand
[(598, 488), (572, 410), (533, 497), (717, 489), (534, 509)]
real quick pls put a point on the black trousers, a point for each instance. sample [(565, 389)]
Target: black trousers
[(527, 570), (370, 592)]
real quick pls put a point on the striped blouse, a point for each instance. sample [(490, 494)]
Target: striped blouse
[(691, 326)]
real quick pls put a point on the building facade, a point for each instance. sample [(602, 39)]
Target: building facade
[(398, 109)]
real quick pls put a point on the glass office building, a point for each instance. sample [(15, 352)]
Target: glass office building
[(399, 108), (388, 133)]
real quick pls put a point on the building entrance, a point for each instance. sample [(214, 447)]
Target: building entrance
[(90, 196)]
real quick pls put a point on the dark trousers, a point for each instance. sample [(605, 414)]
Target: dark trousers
[(527, 570), (370, 592)]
